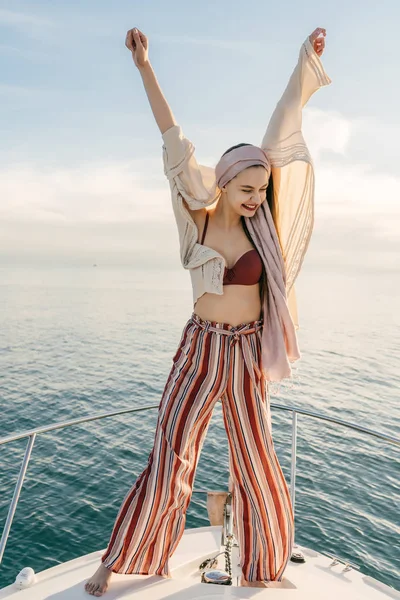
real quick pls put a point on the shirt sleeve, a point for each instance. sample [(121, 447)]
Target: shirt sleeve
[(193, 186), (195, 183), (291, 164)]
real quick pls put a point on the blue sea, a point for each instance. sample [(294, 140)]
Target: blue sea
[(81, 340)]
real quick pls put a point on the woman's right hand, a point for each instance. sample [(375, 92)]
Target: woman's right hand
[(138, 44)]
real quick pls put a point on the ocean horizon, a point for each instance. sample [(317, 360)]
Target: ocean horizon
[(79, 340)]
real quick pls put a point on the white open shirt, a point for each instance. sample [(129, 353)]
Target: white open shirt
[(293, 178)]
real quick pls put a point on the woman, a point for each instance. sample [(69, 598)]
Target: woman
[(243, 229)]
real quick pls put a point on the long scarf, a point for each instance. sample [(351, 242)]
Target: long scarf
[(279, 339)]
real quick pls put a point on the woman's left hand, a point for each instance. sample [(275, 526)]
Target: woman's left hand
[(318, 43)]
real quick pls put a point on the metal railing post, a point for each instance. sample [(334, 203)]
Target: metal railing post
[(293, 458), (17, 491)]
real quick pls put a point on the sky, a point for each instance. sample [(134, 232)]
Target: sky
[(81, 174)]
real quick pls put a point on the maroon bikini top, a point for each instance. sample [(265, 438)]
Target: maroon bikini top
[(246, 271)]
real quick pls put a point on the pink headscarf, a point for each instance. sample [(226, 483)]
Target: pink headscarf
[(236, 160), (279, 340)]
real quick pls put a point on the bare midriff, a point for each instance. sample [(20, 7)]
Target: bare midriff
[(238, 304)]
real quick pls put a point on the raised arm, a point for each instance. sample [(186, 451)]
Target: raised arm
[(195, 183), (292, 165), (284, 128), (138, 44)]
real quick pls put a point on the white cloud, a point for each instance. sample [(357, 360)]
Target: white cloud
[(327, 130), (136, 190), (363, 140), (94, 192), (350, 183), (23, 21), (353, 199)]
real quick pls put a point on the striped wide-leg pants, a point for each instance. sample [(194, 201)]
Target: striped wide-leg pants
[(214, 361)]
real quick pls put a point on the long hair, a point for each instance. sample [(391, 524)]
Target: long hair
[(271, 205)]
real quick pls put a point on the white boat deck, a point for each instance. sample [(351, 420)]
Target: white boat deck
[(314, 579)]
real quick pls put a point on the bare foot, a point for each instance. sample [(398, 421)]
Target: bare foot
[(98, 584)]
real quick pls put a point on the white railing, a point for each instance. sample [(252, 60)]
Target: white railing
[(31, 435)]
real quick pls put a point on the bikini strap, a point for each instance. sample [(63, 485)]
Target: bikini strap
[(205, 228)]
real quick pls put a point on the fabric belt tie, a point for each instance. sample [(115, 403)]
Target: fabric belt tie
[(239, 334)]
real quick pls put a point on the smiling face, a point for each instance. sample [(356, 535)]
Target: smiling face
[(247, 190)]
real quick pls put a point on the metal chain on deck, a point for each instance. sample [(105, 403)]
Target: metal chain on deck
[(228, 555)]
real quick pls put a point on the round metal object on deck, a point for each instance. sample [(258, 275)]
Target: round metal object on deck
[(216, 576), (297, 556)]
